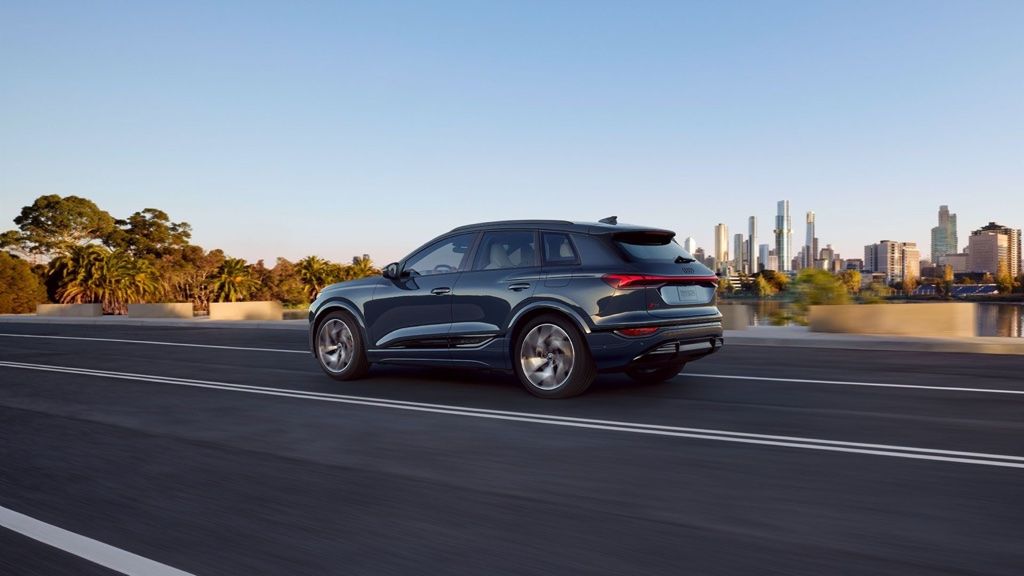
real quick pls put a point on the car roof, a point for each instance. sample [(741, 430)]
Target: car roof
[(562, 225)]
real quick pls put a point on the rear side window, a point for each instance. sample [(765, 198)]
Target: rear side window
[(651, 247), (506, 249), (558, 249)]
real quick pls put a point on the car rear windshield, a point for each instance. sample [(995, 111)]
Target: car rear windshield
[(651, 246)]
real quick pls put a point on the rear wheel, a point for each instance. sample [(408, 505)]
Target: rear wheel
[(339, 347), (656, 374), (552, 359)]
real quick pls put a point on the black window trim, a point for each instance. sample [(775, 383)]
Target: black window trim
[(575, 250)]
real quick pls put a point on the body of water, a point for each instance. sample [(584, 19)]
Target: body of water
[(993, 319)]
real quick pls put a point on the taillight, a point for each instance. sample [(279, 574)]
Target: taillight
[(624, 281), (636, 332)]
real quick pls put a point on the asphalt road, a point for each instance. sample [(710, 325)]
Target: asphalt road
[(233, 460)]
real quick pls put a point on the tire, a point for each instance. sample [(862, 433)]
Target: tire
[(655, 375), (551, 358), (340, 330)]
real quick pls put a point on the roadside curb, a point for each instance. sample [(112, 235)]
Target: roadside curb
[(788, 337)]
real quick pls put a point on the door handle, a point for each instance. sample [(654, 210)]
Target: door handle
[(518, 286), (440, 291)]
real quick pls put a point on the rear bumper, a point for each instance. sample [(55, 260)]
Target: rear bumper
[(669, 345)]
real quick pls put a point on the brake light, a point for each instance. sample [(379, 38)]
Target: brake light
[(636, 332), (626, 281)]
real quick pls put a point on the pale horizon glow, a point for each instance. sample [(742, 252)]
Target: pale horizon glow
[(345, 128)]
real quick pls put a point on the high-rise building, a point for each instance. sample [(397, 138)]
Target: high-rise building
[(737, 254), (721, 246), (762, 261), (944, 238), (752, 245), (896, 260), (784, 235), (690, 245), (698, 254), (810, 248), (986, 250), (1013, 252)]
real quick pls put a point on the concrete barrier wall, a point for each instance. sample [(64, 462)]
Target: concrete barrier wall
[(735, 316), (946, 319), (246, 311), (69, 310), (162, 310)]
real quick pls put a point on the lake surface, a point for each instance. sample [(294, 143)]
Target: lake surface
[(993, 319)]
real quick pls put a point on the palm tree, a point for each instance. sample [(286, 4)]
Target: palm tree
[(315, 273), (233, 281), (361, 268), (92, 273)]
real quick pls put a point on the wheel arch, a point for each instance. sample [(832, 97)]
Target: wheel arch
[(533, 310), (335, 305)]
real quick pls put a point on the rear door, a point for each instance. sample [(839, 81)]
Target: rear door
[(505, 272)]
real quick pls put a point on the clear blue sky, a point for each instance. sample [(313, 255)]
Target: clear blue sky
[(337, 128)]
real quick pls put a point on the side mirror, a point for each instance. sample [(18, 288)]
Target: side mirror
[(391, 271)]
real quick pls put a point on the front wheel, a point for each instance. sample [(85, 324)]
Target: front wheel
[(339, 347), (655, 374), (552, 359)]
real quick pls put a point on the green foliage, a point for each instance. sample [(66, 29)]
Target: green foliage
[(91, 273), (778, 280), (20, 287), (764, 288), (1003, 279), (54, 225), (149, 233), (851, 280), (876, 293), (816, 287), (233, 281), (315, 273)]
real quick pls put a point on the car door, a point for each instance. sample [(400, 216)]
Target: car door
[(505, 272), (414, 310)]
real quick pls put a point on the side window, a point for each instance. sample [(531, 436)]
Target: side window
[(558, 250), (442, 257), (506, 249)]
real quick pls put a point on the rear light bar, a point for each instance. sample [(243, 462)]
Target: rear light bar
[(624, 281)]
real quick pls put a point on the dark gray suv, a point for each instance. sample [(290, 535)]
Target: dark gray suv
[(554, 301)]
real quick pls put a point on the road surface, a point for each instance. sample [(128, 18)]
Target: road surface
[(148, 450)]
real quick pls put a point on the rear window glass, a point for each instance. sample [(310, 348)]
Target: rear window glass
[(651, 247)]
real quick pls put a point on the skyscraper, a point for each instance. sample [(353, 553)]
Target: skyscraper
[(783, 235), (763, 258), (721, 246), (690, 245), (737, 258), (944, 238), (810, 248), (752, 245), (897, 260)]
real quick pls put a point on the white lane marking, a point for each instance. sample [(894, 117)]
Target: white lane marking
[(156, 343), (847, 383), (660, 430), (702, 375), (92, 550)]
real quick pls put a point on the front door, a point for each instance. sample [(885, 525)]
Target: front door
[(414, 311)]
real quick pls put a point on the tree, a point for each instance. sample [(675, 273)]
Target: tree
[(20, 287), (53, 225), (777, 279), (95, 274), (149, 232), (315, 273), (764, 288), (816, 287), (909, 285), (1003, 279), (233, 281), (285, 285), (851, 280), (361, 268), (188, 274)]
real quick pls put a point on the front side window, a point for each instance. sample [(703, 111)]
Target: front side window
[(442, 257), (506, 249)]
